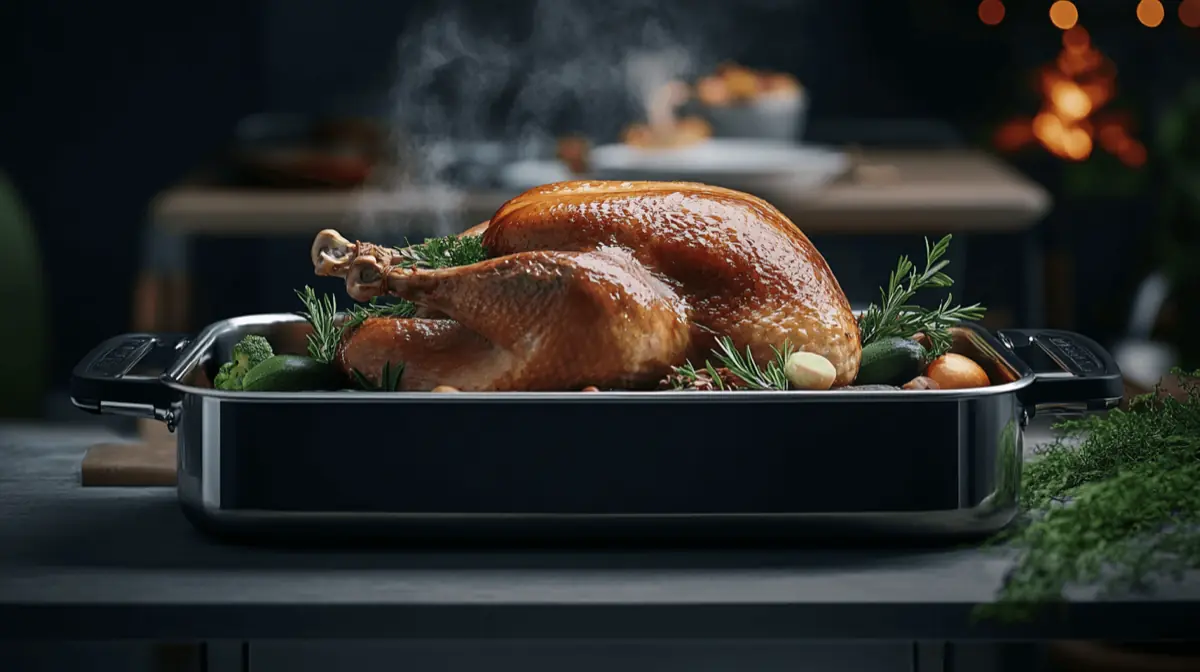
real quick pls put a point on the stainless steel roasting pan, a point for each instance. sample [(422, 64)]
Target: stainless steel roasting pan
[(613, 466)]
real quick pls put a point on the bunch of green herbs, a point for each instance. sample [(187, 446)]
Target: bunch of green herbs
[(1114, 502)]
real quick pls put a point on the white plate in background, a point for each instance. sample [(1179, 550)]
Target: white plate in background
[(734, 163), (747, 165), (521, 176)]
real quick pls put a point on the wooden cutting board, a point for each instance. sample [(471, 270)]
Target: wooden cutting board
[(149, 462)]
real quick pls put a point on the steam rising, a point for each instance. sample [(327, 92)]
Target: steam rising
[(467, 74)]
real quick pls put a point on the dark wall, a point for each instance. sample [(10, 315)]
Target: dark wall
[(104, 105), (330, 57), (325, 56)]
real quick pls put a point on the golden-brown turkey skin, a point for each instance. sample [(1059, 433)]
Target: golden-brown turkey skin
[(432, 351), (534, 321), (743, 269)]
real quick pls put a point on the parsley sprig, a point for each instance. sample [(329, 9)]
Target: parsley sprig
[(444, 252), (1114, 501)]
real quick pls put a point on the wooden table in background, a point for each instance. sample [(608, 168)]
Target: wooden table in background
[(892, 192)]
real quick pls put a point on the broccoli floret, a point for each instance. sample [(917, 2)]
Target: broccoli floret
[(224, 381), (247, 354)]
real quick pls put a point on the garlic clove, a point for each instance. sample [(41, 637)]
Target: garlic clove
[(809, 371)]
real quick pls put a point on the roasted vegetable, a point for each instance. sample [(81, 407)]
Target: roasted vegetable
[(922, 383), (891, 361), (290, 373), (247, 354), (955, 372)]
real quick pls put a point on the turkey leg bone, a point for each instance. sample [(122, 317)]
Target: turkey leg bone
[(332, 254)]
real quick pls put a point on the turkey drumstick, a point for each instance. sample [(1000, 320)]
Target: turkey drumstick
[(556, 320)]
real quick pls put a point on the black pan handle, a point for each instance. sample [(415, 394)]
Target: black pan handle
[(1071, 371), (123, 376)]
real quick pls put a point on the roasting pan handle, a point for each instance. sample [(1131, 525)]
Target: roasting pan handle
[(1071, 371), (123, 376)]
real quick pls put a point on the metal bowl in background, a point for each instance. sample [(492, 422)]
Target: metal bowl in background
[(480, 164), (766, 118)]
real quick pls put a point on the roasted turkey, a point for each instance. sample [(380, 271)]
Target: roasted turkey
[(605, 284)]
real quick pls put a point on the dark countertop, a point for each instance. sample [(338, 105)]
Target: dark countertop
[(122, 562)]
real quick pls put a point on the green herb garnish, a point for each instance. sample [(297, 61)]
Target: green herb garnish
[(444, 252), (327, 333), (1114, 501), (896, 317), (389, 378), (358, 314), (689, 377), (770, 377), (321, 314)]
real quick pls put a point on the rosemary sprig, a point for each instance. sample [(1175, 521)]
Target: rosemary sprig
[(687, 376), (327, 333), (321, 313), (770, 377), (444, 252), (895, 316)]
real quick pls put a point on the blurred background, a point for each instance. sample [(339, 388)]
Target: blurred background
[(166, 165)]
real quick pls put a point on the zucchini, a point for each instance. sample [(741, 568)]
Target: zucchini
[(891, 361), (290, 373)]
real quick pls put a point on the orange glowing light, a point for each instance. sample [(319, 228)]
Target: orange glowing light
[(1013, 135), (1097, 93), (1077, 144), (1113, 138), (1150, 13), (1076, 39), (1063, 14), (1046, 125), (1189, 13), (1074, 87), (1133, 154), (991, 12), (1071, 101)]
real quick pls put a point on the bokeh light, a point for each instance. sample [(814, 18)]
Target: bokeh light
[(1076, 39), (991, 12), (1150, 13), (1189, 13), (1063, 14)]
